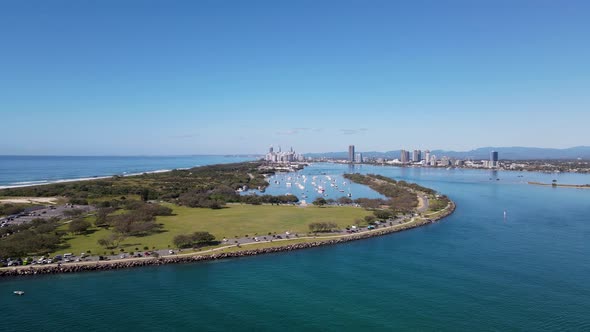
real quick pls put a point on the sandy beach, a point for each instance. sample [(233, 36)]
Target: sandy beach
[(29, 200)]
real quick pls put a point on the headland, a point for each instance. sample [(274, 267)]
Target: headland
[(195, 215)]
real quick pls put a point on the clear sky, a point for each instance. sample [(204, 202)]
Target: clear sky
[(194, 77)]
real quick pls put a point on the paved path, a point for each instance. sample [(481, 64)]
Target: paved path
[(423, 203)]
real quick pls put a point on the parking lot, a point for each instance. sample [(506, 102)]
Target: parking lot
[(44, 212)]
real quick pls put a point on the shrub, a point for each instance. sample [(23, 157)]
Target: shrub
[(322, 227)]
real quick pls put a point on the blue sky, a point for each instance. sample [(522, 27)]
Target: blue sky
[(196, 77)]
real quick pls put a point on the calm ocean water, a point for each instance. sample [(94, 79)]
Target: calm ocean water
[(474, 271), (29, 170)]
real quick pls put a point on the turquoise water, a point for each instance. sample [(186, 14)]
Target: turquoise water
[(320, 174), (30, 170), (473, 271)]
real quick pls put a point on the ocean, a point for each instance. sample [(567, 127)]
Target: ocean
[(32, 170), (473, 271)]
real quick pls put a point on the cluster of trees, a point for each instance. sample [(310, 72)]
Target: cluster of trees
[(193, 240), (218, 197), (111, 241), (9, 209), (215, 198), (320, 201), (165, 186), (401, 195), (367, 179), (318, 227), (383, 214), (371, 203), (367, 220), (269, 199), (359, 178), (438, 203), (139, 219), (37, 237), (79, 226)]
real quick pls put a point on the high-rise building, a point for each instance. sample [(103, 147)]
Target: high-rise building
[(427, 157), (405, 156), (493, 159), (358, 157), (282, 157), (351, 153), (416, 156)]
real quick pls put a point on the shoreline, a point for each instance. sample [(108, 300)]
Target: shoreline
[(200, 257), (463, 168), (25, 184), (34, 183)]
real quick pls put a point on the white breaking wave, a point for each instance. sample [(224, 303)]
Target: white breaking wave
[(43, 182)]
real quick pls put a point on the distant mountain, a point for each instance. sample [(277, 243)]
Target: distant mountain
[(506, 153)]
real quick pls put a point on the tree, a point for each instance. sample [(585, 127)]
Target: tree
[(78, 201), (106, 242), (322, 227), (102, 216), (197, 238), (345, 200), (79, 226), (182, 241), (111, 241), (320, 201), (383, 214), (145, 194), (203, 237), (370, 219), (369, 203)]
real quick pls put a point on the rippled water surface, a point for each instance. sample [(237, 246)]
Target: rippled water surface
[(473, 271), (30, 170)]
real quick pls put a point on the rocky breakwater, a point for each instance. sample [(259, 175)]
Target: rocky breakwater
[(124, 264)]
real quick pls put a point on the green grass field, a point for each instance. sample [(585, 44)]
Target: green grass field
[(235, 220)]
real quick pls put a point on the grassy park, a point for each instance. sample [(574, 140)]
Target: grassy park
[(191, 208), (234, 220)]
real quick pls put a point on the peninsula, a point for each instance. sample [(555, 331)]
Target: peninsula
[(193, 215)]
